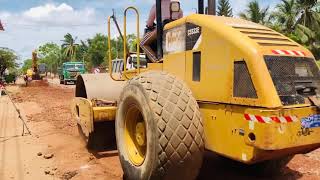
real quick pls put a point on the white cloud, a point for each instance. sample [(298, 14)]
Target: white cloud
[(27, 30), (49, 22), (47, 10), (51, 15), (4, 15)]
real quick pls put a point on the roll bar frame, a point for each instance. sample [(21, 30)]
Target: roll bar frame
[(124, 38)]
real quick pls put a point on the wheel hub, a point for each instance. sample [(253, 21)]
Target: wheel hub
[(135, 136), (140, 133)]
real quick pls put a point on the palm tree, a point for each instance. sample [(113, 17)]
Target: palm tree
[(306, 35), (224, 8), (309, 38), (82, 50), (255, 13), (69, 46), (307, 25), (309, 16), (285, 14)]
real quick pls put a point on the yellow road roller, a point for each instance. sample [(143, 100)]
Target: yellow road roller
[(225, 85)]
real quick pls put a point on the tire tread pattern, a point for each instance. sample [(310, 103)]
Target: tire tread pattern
[(180, 129)]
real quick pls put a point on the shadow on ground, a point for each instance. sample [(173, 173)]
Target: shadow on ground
[(217, 167)]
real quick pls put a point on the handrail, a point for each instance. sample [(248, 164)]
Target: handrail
[(110, 52), (125, 39), (125, 54)]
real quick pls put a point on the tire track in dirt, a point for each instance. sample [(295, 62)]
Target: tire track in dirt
[(47, 110), (54, 126)]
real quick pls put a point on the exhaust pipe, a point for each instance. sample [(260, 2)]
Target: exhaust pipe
[(200, 6), (159, 29), (212, 7), (210, 10)]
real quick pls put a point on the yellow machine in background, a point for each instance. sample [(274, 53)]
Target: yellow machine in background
[(29, 73), (227, 85), (33, 73)]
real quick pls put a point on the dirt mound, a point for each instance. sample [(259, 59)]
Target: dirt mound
[(54, 102), (38, 83)]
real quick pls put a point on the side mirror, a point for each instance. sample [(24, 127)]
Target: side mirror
[(175, 6)]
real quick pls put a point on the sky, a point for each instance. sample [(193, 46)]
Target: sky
[(31, 23)]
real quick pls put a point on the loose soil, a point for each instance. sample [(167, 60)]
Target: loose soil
[(46, 108)]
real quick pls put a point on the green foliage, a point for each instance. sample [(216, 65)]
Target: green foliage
[(224, 8), (10, 78), (309, 16), (285, 15), (94, 51), (306, 26), (132, 42), (297, 19), (50, 54), (255, 13), (7, 60), (69, 47), (97, 49), (27, 64)]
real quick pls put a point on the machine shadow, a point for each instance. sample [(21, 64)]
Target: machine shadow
[(104, 154), (103, 143), (217, 167)]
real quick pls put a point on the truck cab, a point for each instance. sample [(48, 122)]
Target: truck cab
[(70, 71)]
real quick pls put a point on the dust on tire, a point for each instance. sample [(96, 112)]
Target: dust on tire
[(179, 129)]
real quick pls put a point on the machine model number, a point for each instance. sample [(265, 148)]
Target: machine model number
[(193, 31)]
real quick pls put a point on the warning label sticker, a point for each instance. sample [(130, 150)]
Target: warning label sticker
[(311, 121)]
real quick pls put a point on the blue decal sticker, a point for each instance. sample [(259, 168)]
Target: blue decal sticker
[(311, 121)]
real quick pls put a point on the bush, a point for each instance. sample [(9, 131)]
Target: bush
[(10, 78)]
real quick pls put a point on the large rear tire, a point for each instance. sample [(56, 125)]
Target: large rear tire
[(159, 129)]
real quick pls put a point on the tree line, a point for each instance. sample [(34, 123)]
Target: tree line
[(297, 19), (93, 51), (8, 60)]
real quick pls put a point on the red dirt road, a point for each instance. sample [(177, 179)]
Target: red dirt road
[(47, 110)]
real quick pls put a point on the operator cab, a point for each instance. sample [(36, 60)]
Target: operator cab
[(175, 12), (175, 9)]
